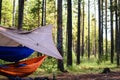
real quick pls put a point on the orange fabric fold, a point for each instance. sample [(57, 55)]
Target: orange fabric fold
[(15, 69)]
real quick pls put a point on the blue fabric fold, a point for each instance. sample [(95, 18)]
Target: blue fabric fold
[(14, 54)]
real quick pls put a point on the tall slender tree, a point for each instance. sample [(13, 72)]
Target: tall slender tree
[(99, 18), (101, 4), (59, 34), (95, 45), (38, 11), (112, 33), (116, 24), (43, 12), (88, 29), (118, 36), (78, 32), (106, 40), (20, 14), (83, 29), (69, 31), (13, 14), (0, 10)]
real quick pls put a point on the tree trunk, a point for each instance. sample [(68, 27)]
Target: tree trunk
[(116, 24), (101, 3), (0, 11), (118, 46), (95, 45), (69, 31), (38, 12), (118, 37), (20, 14), (78, 32), (88, 29), (83, 30), (99, 14), (59, 34), (106, 43), (13, 15), (112, 39), (43, 12)]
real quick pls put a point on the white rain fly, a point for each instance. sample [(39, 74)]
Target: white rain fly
[(39, 40)]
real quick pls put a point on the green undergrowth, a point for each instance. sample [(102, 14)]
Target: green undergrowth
[(86, 66), (91, 65)]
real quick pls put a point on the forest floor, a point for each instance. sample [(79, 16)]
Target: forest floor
[(105, 76), (69, 76)]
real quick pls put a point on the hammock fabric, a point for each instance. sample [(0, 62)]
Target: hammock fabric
[(14, 54), (23, 68), (39, 39)]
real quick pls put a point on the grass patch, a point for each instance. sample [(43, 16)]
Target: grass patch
[(91, 66), (49, 66)]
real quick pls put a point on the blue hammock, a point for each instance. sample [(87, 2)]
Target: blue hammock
[(14, 54)]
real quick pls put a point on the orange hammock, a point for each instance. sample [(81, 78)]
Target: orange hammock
[(23, 68)]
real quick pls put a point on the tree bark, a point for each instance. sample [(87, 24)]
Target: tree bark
[(112, 39), (83, 30), (13, 15), (78, 32), (118, 37), (99, 18), (102, 27), (59, 34), (106, 42), (20, 14), (88, 29), (43, 12), (0, 11), (69, 31), (116, 24), (38, 12)]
